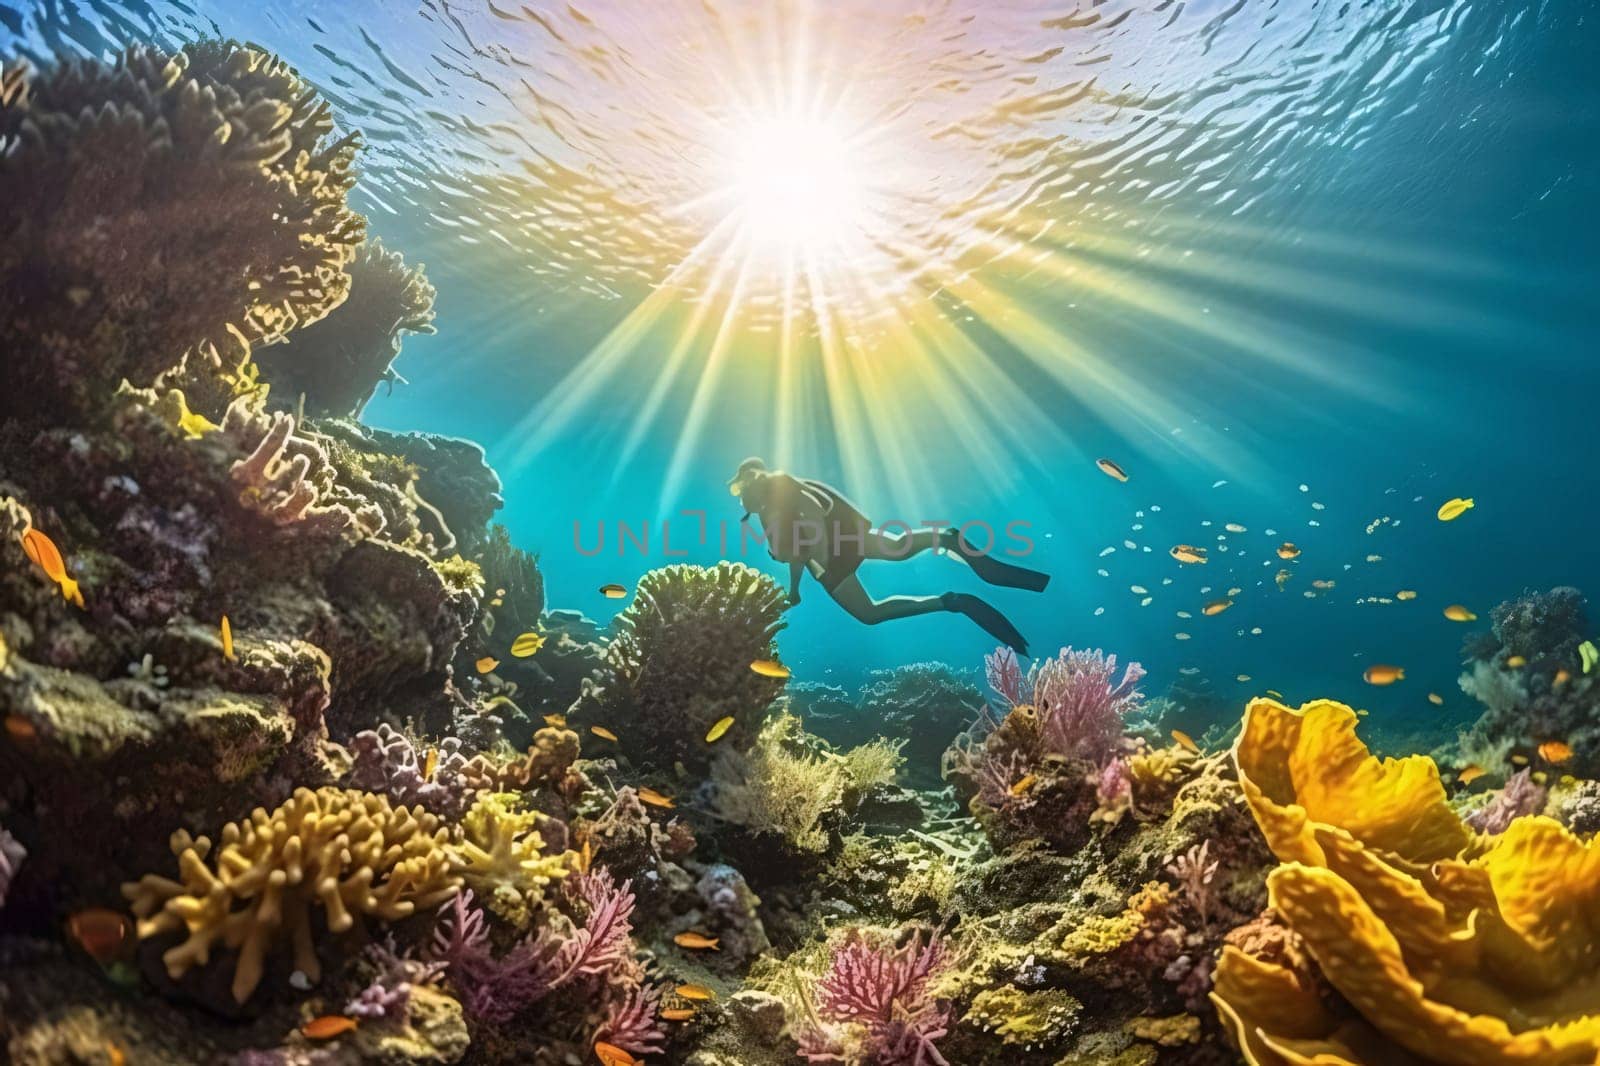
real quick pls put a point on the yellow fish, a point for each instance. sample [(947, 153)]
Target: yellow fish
[(1470, 773), (700, 992), (676, 1014), (1286, 550), (613, 591), (1022, 784), (47, 557), (430, 763), (1405, 594), (770, 668), (696, 942), (1436, 699), (1539, 777), (486, 664), (1111, 469), (526, 645), (1516, 662), (1188, 553), (557, 720), (1185, 741), (1589, 654), (227, 640), (603, 733), (654, 798), (1555, 751), (722, 725), (1379, 674), (1457, 613), (1216, 607), (1519, 760), (1451, 510)]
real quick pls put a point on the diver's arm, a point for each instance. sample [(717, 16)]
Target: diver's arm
[(796, 568)]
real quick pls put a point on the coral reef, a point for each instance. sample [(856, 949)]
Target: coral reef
[(331, 366), (162, 210), (1442, 946), (874, 1005), (680, 662), (921, 705)]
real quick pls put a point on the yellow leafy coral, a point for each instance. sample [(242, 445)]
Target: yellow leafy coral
[(347, 851), (1448, 948), (501, 855)]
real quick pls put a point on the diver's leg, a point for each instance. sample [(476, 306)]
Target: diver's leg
[(863, 608), (878, 544)]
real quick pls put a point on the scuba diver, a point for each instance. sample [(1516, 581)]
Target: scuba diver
[(812, 527)]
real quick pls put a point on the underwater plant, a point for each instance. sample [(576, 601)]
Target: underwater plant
[(873, 1006), (1444, 947), (158, 209), (348, 852), (681, 662), (333, 365)]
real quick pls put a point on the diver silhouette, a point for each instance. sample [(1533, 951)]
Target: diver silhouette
[(813, 527)]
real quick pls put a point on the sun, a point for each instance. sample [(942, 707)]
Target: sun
[(796, 187)]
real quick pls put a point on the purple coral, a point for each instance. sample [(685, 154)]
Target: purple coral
[(1113, 791), (1520, 796), (389, 994), (632, 1021), (385, 761), (498, 989), (11, 855), (885, 990)]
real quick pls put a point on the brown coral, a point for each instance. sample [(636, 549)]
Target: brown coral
[(162, 205), (1446, 947), (347, 851)]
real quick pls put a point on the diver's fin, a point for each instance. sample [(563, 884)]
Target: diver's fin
[(992, 621), (986, 566)]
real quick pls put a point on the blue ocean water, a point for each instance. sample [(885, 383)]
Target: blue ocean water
[(1332, 265)]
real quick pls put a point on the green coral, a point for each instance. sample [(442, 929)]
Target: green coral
[(460, 575), (1025, 1019), (681, 662), (501, 856), (779, 786)]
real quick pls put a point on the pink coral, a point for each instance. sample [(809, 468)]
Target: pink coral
[(885, 990), (632, 1020)]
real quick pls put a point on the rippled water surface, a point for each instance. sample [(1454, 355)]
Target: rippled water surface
[(1243, 247)]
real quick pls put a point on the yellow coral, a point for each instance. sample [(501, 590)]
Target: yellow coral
[(1024, 1019), (1449, 947), (346, 850), (1100, 934), (1174, 1030), (1155, 768), (501, 855)]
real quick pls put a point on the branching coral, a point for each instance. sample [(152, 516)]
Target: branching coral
[(388, 996), (337, 362), (287, 479), (348, 852), (780, 787), (1447, 948), (157, 205), (501, 855), (385, 761), (873, 1006), (681, 662)]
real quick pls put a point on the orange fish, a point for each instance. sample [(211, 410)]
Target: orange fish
[(115, 1054), (487, 663), (430, 763), (100, 932), (1111, 469), (696, 942), (1457, 613), (612, 1055), (654, 798), (1025, 782), (677, 1014), (1187, 553), (1379, 674), (1561, 678), (559, 721), (1216, 607), (227, 640), (695, 992), (1516, 662), (47, 557), (1555, 751), (20, 728), (603, 733), (1470, 773), (327, 1027), (1287, 550), (1185, 741)]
